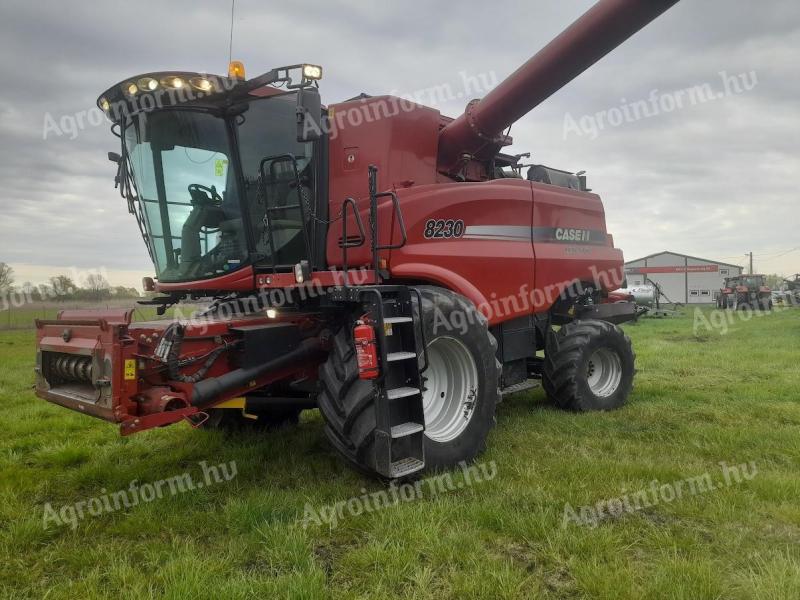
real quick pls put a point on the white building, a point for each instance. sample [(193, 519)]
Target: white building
[(684, 279)]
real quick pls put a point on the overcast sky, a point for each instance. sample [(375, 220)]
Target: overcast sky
[(714, 179)]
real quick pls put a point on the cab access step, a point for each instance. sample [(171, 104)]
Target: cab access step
[(390, 349)]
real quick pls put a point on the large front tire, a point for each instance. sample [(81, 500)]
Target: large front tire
[(589, 365), (460, 387)]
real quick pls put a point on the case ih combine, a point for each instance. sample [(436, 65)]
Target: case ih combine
[(394, 270)]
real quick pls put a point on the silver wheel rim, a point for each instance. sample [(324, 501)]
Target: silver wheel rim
[(603, 372), (451, 388)]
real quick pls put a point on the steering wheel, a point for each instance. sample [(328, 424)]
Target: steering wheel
[(202, 195)]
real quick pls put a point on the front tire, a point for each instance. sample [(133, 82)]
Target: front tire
[(589, 365), (459, 395)]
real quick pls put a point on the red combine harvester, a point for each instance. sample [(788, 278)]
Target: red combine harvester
[(375, 259)]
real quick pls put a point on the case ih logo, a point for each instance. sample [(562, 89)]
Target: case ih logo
[(684, 269), (569, 235), (573, 235)]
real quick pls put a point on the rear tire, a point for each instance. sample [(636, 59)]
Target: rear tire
[(347, 403), (589, 365)]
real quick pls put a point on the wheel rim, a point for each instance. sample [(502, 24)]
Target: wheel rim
[(603, 372), (451, 388)]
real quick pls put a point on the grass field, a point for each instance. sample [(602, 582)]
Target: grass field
[(24, 317), (697, 402)]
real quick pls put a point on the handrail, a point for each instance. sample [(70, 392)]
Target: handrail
[(349, 201), (373, 218), (273, 160), (401, 222)]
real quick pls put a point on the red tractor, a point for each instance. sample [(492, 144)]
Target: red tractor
[(745, 292), (372, 258)]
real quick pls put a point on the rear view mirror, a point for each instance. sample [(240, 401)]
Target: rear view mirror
[(114, 157), (309, 115)]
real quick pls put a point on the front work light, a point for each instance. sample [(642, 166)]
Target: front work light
[(302, 271), (147, 84), (201, 84), (312, 72), (130, 88), (175, 83)]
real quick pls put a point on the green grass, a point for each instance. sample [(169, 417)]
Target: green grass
[(697, 401), (24, 316)]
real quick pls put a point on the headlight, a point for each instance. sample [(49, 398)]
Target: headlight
[(272, 313), (312, 72), (201, 84), (104, 104), (302, 271), (130, 88), (175, 83), (147, 84)]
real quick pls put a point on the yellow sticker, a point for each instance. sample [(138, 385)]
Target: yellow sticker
[(219, 167), (387, 329), (130, 369)]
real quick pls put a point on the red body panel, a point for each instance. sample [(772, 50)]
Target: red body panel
[(559, 262), (241, 280), (505, 262), (479, 265), (397, 136)]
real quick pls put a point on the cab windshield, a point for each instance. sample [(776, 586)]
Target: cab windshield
[(180, 161), (198, 222)]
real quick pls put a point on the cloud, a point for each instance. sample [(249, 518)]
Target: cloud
[(713, 180)]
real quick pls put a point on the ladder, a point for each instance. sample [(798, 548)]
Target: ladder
[(399, 415)]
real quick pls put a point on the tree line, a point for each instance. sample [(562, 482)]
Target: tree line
[(62, 288)]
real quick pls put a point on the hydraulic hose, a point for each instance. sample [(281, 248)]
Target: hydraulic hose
[(208, 390)]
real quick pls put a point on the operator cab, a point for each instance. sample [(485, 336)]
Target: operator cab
[(221, 173)]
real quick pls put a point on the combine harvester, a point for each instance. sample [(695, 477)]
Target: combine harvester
[(348, 261)]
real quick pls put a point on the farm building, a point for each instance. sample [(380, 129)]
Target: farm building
[(682, 278)]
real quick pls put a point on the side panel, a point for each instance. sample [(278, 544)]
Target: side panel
[(397, 136), (482, 249), (571, 243), (241, 280)]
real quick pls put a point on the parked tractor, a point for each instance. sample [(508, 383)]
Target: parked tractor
[(745, 292), (373, 258)]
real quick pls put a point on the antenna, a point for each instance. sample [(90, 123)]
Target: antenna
[(230, 44)]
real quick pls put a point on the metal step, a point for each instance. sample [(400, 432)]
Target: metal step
[(397, 319), (401, 392), (405, 429), (519, 387), (406, 466), (393, 356)]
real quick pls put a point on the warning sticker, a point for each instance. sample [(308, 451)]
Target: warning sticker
[(130, 369), (219, 167)]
